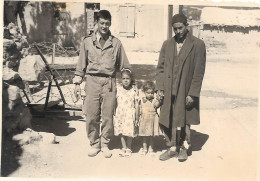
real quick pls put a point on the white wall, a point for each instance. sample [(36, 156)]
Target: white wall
[(150, 27), (150, 24), (233, 44)]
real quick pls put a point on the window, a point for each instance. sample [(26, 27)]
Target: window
[(60, 12), (127, 23), (91, 10)]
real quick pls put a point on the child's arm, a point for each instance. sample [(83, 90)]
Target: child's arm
[(137, 110), (157, 101), (116, 102)]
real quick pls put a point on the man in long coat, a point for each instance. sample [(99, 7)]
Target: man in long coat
[(179, 76)]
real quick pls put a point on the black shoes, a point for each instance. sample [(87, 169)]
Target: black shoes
[(183, 155)]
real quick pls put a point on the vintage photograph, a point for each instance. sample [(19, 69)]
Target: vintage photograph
[(129, 90)]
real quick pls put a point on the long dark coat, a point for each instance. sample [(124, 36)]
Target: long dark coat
[(189, 78)]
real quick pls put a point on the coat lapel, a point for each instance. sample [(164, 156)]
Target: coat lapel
[(109, 41), (186, 48), (171, 50)]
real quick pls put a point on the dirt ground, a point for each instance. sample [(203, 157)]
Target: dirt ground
[(223, 145)]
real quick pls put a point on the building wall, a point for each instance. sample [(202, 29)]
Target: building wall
[(231, 43), (42, 26), (150, 28), (226, 38), (150, 25)]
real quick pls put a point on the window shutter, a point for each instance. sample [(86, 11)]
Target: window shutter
[(127, 20)]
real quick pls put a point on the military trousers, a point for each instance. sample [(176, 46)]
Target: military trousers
[(99, 107)]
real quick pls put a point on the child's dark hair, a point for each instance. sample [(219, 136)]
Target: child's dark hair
[(129, 73), (148, 85), (105, 14)]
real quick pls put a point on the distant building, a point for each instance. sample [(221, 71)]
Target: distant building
[(230, 20), (220, 27), (141, 27)]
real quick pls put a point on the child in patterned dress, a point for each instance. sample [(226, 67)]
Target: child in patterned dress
[(126, 112), (149, 118)]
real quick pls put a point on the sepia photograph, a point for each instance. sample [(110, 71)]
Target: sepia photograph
[(126, 90)]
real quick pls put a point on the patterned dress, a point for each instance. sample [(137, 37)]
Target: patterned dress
[(149, 119), (124, 119)]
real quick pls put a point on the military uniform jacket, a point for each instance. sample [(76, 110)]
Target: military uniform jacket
[(95, 59)]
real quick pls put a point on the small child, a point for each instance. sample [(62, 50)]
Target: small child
[(149, 118), (126, 111)]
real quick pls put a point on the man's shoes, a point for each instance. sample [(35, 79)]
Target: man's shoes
[(183, 156), (168, 154), (93, 152), (106, 152)]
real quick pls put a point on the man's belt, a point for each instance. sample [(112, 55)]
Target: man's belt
[(105, 75)]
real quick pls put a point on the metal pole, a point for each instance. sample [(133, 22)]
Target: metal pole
[(170, 11), (53, 53), (52, 73), (26, 96), (48, 95), (86, 20)]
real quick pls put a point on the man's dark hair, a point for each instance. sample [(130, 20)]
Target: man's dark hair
[(105, 14), (179, 18)]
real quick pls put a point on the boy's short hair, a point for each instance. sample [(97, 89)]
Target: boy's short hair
[(105, 14), (148, 85)]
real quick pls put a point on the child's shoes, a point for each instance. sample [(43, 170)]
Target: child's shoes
[(128, 152), (151, 152), (143, 152), (122, 152), (125, 153)]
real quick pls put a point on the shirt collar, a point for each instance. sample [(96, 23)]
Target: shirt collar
[(96, 36)]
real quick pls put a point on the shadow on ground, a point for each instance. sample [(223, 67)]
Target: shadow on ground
[(11, 152), (143, 72), (159, 143), (58, 125), (198, 140)]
